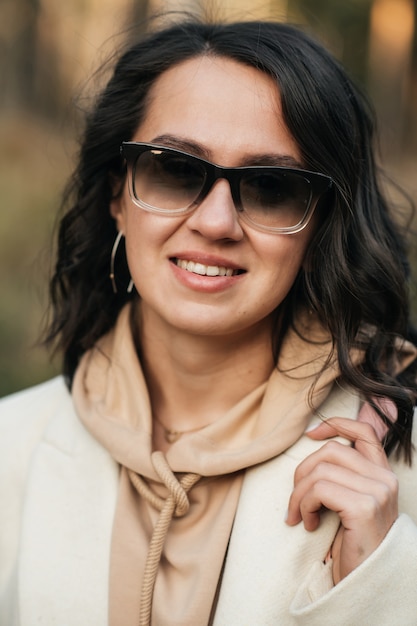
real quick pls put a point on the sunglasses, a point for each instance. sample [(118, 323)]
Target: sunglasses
[(268, 198)]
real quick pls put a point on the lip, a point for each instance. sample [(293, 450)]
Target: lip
[(207, 259), (203, 283)]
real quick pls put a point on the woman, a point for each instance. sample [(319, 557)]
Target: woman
[(228, 276)]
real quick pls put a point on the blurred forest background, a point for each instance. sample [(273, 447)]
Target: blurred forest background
[(48, 53)]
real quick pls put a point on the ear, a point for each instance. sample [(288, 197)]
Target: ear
[(117, 211)]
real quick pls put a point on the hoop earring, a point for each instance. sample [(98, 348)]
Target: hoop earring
[(112, 259)]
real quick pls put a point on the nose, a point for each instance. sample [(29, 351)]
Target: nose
[(216, 217)]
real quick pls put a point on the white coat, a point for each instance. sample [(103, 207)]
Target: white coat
[(58, 490)]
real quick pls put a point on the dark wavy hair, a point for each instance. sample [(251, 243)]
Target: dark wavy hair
[(357, 273)]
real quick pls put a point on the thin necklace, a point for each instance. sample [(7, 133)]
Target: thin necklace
[(173, 435)]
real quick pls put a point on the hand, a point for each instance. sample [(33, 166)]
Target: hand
[(354, 481)]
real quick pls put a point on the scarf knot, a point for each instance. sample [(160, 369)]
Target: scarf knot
[(176, 504), (178, 497)]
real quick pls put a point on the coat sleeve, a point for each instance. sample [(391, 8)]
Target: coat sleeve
[(383, 589)]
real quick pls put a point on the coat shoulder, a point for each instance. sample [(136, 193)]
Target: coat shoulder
[(23, 418), (29, 402)]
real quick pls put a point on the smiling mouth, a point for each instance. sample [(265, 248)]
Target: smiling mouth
[(206, 270)]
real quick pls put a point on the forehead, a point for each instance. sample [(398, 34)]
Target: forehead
[(220, 103)]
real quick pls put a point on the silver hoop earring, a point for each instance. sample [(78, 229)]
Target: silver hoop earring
[(112, 259)]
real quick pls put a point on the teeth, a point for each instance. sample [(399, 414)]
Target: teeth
[(199, 268), (205, 270)]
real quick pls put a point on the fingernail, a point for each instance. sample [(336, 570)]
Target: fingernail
[(311, 427)]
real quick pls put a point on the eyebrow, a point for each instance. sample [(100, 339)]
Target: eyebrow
[(261, 159)]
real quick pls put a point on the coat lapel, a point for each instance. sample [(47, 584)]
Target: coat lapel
[(267, 560), (66, 527)]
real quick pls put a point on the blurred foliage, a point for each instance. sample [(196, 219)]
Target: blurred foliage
[(33, 166), (344, 26), (48, 50)]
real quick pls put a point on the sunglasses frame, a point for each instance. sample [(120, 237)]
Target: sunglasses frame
[(319, 184)]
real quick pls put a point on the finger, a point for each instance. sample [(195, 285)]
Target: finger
[(368, 414), (311, 505), (342, 455), (380, 481), (376, 507), (383, 488), (362, 435)]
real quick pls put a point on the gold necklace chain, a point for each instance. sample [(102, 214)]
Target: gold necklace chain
[(173, 435)]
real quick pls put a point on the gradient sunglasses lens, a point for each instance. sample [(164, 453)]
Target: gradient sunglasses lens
[(166, 180), (275, 198)]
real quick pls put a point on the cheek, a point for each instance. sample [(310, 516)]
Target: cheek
[(286, 255), (282, 264), (143, 229), (146, 235)]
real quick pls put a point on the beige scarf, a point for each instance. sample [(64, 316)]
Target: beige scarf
[(175, 511)]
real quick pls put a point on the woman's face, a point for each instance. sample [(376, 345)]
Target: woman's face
[(231, 115)]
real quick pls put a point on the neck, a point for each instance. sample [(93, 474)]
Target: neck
[(193, 380)]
